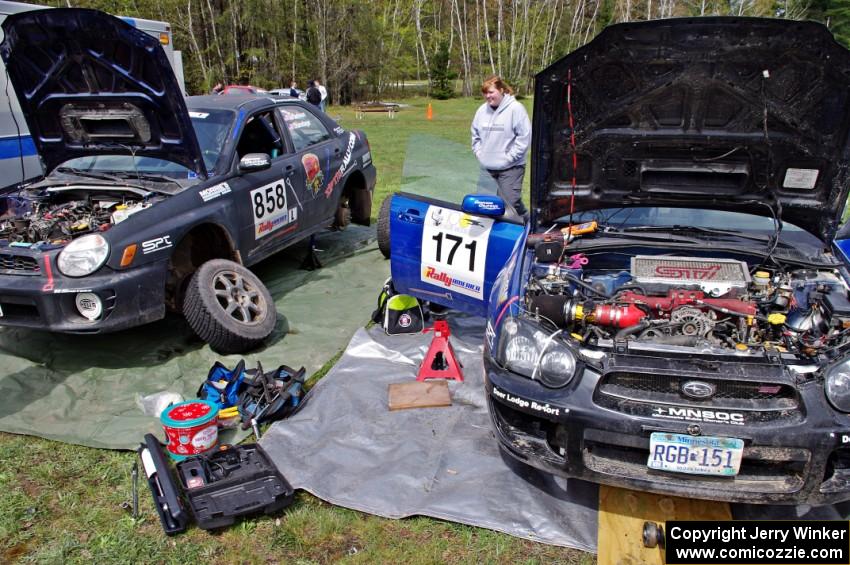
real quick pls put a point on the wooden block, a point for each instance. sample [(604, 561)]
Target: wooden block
[(622, 514), (424, 394)]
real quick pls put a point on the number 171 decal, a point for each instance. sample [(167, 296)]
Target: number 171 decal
[(454, 250)]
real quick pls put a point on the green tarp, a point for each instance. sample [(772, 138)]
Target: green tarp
[(85, 389)]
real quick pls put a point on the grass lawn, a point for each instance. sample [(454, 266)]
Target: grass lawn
[(62, 503)]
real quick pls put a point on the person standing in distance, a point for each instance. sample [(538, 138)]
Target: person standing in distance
[(501, 135), (324, 92), (314, 97)]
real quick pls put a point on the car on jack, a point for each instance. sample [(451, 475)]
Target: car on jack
[(152, 201), (675, 316)]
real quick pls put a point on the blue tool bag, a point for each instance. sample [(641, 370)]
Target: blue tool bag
[(222, 385)]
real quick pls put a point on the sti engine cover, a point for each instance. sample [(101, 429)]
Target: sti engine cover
[(714, 276)]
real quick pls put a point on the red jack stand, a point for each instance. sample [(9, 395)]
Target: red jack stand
[(440, 361)]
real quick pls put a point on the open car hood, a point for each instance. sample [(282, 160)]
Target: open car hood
[(672, 113), (90, 84)]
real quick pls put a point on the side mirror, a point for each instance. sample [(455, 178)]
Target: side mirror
[(483, 205), (254, 162)]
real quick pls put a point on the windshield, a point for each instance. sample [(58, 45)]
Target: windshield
[(661, 217), (211, 129)]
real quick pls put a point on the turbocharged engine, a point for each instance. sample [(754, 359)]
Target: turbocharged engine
[(693, 301)]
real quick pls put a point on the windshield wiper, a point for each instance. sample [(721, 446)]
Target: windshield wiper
[(149, 176), (695, 229), (88, 174)]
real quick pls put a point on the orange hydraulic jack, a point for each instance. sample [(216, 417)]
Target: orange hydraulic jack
[(440, 362)]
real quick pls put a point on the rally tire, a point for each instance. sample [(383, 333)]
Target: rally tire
[(384, 227), (229, 307)]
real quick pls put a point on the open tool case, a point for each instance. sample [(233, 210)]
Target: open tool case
[(232, 482), (220, 486)]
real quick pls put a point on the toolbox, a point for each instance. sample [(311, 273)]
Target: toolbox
[(231, 482)]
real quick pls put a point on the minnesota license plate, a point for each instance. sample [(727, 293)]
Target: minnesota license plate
[(698, 455)]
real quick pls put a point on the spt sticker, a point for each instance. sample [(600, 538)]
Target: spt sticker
[(454, 250)]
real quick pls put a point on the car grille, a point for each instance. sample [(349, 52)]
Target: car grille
[(18, 264), (640, 393)]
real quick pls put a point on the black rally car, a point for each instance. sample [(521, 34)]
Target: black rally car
[(152, 201), (675, 316)]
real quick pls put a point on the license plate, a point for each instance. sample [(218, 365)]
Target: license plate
[(698, 455)]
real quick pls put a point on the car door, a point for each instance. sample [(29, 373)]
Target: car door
[(319, 157), (269, 211), (442, 254)]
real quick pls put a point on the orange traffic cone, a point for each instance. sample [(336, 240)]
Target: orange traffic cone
[(429, 113)]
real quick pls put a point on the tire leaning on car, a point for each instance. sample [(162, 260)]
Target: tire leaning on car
[(384, 227), (229, 307)]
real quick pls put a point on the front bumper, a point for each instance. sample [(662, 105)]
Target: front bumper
[(45, 299), (567, 432)]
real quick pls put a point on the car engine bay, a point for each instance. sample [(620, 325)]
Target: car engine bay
[(58, 217), (714, 304)]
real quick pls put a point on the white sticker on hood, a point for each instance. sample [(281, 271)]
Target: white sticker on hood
[(800, 178)]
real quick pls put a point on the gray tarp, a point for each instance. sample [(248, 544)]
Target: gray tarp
[(346, 447), (84, 389)]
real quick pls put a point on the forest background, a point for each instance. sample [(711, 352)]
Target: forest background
[(378, 49)]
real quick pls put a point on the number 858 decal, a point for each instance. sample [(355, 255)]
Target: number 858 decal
[(454, 250), (268, 204)]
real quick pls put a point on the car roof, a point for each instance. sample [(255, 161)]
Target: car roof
[(247, 103)]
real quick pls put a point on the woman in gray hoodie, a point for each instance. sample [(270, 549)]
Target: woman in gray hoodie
[(501, 134)]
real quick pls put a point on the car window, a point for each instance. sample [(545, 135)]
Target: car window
[(127, 163), (211, 129), (697, 217), (260, 135), (305, 128)]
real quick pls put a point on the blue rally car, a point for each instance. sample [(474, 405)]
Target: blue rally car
[(675, 317), (152, 201)]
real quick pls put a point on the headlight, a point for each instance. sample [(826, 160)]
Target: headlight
[(838, 386), (83, 256), (525, 349)]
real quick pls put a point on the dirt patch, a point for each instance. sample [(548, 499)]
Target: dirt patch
[(14, 553)]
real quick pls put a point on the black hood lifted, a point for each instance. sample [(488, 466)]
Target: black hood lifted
[(90, 84), (740, 114)]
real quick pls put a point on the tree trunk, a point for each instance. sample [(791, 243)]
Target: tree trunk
[(417, 14), (487, 35), (194, 43)]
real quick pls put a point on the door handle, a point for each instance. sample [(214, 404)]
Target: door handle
[(336, 150), (288, 168)]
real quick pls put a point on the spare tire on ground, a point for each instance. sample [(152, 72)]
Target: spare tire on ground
[(384, 227), (229, 307)]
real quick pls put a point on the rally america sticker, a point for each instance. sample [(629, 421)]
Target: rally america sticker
[(454, 250)]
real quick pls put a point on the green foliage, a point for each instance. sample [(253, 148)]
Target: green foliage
[(367, 50), (441, 75), (838, 13)]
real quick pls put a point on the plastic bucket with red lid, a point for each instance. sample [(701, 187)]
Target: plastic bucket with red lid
[(191, 428)]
